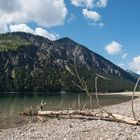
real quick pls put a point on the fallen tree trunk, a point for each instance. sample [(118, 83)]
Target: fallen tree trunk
[(126, 119), (90, 115), (48, 113), (66, 112)]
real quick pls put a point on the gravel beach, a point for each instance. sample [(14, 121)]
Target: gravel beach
[(74, 129)]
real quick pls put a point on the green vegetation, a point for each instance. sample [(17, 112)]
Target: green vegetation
[(48, 80), (11, 43)]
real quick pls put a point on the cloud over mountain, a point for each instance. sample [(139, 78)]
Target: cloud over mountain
[(38, 11), (135, 64), (38, 31)]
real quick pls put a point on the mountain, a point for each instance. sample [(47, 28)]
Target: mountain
[(36, 64), (135, 75)]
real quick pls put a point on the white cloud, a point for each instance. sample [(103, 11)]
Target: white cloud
[(102, 3), (9, 5), (92, 15), (13, 17), (113, 48), (45, 13), (3, 28), (135, 64), (124, 55), (83, 3), (38, 31), (90, 3), (21, 28), (45, 33)]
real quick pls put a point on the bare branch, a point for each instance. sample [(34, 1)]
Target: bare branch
[(73, 105), (96, 91), (97, 99), (98, 75), (85, 88), (132, 100), (84, 106), (79, 102), (83, 85), (78, 76), (78, 86), (96, 87)]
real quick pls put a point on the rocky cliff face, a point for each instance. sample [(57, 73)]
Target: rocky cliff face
[(34, 63)]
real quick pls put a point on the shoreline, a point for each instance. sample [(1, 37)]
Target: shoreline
[(69, 129), (121, 93)]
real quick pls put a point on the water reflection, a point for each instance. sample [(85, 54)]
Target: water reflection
[(12, 104)]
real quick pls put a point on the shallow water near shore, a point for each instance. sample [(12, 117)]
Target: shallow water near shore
[(11, 104)]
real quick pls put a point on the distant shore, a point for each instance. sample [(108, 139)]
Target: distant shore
[(71, 129), (121, 93)]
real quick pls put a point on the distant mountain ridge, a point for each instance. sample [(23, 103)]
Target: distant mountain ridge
[(133, 74), (34, 63)]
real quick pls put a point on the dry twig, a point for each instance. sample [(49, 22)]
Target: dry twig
[(132, 100)]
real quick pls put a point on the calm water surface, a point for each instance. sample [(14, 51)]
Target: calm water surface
[(12, 105)]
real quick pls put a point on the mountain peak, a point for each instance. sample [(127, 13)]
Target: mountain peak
[(66, 40)]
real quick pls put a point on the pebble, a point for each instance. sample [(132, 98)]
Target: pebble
[(74, 129)]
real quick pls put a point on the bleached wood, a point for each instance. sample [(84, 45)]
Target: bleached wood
[(91, 116)]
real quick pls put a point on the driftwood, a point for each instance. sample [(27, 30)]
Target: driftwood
[(27, 114), (89, 115)]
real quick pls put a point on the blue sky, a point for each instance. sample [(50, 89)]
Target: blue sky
[(107, 27)]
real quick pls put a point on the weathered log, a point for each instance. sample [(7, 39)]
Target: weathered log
[(66, 112), (48, 113), (90, 115), (126, 119)]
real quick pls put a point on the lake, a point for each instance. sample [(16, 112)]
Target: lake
[(11, 104)]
